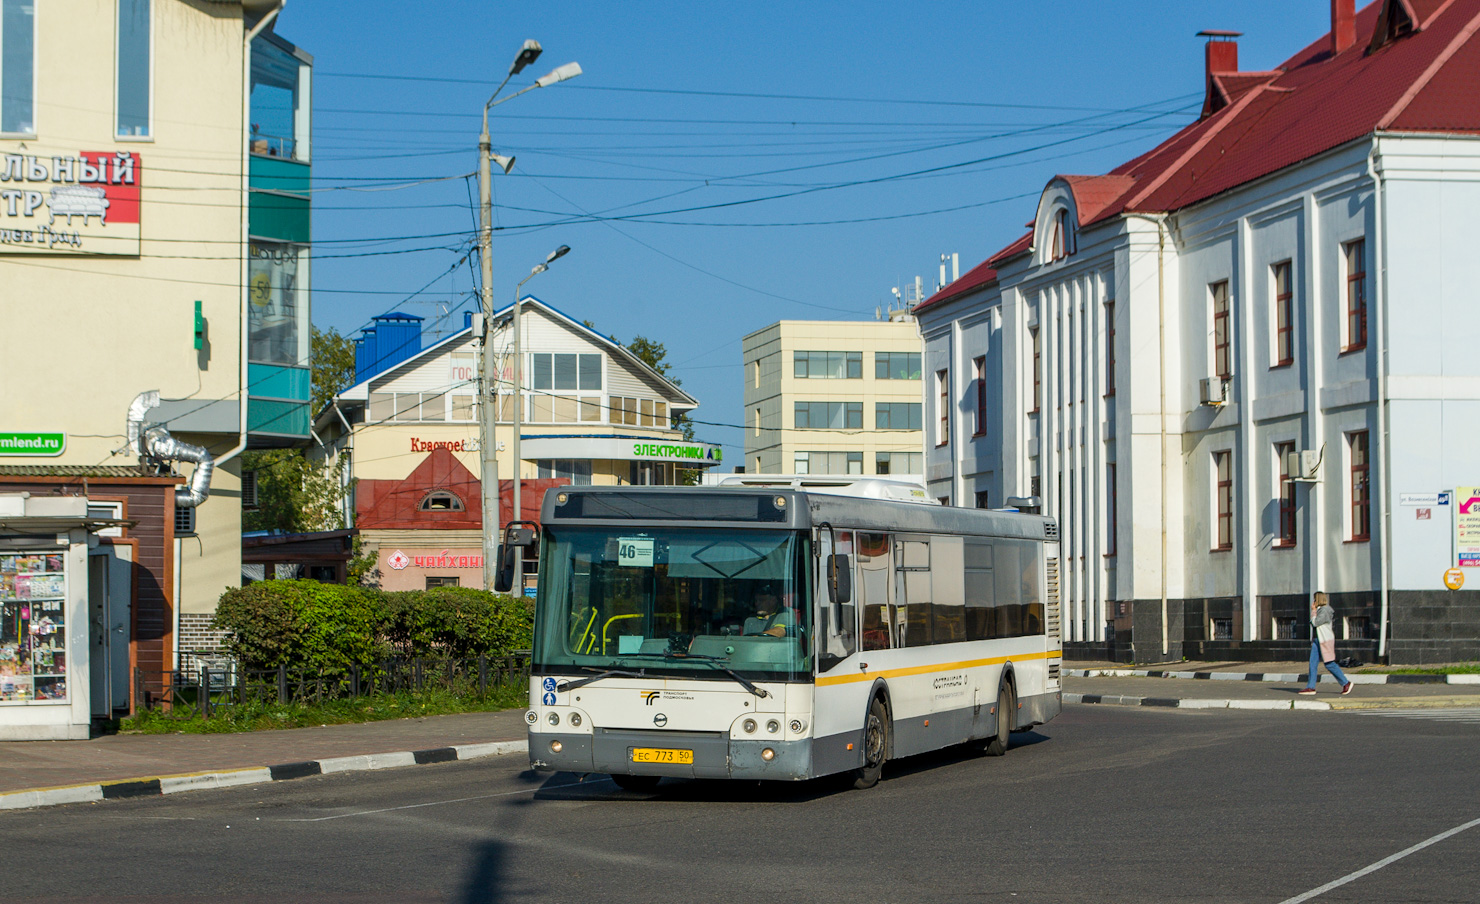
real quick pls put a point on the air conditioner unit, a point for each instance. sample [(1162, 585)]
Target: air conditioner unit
[(1212, 391), (1305, 465)]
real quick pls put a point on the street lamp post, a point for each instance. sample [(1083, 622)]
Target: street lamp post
[(487, 362)]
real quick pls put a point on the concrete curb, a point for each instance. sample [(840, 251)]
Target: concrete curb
[(196, 781), (1277, 677), (1178, 703)]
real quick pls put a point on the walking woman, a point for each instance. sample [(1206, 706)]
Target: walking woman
[(1323, 646)]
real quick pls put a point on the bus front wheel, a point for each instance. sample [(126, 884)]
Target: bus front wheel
[(996, 745), (875, 746)]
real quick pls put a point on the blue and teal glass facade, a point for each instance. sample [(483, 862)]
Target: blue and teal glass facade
[(278, 266)]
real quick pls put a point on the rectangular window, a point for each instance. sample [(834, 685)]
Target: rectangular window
[(1284, 316), (435, 581), (18, 67), (1223, 471), (135, 68), (1037, 370), (577, 471), (827, 463), (591, 409), (828, 415), (1110, 348), (979, 379), (897, 415), (886, 463), (281, 100), (277, 318), (1356, 295), (896, 365), (1356, 444), (1112, 505), (1222, 340), (1284, 453), (827, 365), (983, 499), (579, 372), (757, 422), (943, 396)]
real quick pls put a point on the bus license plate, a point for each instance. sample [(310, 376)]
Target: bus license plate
[(662, 755)]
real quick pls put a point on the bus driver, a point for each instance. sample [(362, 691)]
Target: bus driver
[(777, 612)]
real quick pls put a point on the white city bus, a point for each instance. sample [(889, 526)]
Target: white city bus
[(784, 633)]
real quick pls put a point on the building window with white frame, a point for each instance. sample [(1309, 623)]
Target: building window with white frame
[(1283, 315), (1112, 504), (827, 463), (1359, 488), (827, 415), (896, 365), (943, 398), (1355, 254), (1109, 348), (1037, 370), (810, 365), (897, 416), (1222, 334), (135, 69), (889, 463), (1284, 455), (979, 384), (1061, 242), (1223, 499), (18, 67)]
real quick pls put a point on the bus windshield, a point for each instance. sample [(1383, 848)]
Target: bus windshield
[(695, 602)]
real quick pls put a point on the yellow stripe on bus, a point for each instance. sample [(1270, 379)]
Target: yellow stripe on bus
[(926, 669)]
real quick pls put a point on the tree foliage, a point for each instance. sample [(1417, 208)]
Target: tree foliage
[(332, 360), (294, 493), (654, 355)]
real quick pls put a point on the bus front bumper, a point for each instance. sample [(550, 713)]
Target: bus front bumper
[(715, 755)]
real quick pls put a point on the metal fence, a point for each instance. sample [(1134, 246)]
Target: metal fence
[(202, 690)]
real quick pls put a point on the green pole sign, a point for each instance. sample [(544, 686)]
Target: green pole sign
[(44, 445)]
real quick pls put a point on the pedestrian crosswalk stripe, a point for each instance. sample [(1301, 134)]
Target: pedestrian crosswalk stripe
[(1460, 714)]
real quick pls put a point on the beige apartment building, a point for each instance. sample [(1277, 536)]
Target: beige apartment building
[(834, 397), (154, 237)]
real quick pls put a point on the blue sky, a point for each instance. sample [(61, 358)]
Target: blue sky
[(721, 166)]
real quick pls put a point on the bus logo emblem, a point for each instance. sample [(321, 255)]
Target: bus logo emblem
[(660, 720), (649, 697)]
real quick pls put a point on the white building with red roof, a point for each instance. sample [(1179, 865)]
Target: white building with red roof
[(1239, 367)]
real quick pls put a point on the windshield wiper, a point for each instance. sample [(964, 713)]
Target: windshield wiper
[(711, 660), (717, 663), (609, 673)]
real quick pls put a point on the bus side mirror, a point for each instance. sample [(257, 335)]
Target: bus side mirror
[(503, 580), (515, 540), (839, 579)]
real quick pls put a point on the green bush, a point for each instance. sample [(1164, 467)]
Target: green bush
[(329, 627)]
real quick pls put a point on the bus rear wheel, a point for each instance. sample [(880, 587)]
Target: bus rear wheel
[(875, 746), (636, 782), (996, 745)]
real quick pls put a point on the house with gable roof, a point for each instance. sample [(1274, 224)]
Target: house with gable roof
[(406, 434), (1237, 368)]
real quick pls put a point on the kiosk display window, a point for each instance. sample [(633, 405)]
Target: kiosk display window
[(33, 642)]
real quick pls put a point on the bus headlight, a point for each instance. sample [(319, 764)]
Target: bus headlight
[(797, 725), (553, 718), (531, 717), (773, 726), (749, 726), (574, 720)]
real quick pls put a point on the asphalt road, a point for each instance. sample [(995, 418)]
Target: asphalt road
[(1105, 804)]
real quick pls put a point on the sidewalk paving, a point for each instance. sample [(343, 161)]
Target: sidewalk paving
[(133, 765), (40, 773)]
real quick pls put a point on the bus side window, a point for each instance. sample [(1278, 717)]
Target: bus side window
[(871, 590)]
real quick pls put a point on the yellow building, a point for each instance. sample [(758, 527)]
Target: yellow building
[(154, 170), (834, 397)]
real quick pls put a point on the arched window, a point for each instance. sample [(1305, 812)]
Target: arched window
[(1060, 247), (440, 501)]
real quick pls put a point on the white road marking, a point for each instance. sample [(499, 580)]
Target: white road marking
[(1350, 877), (438, 803), (1454, 714)]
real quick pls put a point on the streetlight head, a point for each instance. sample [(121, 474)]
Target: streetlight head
[(559, 74), (560, 252), (505, 163), (528, 54)]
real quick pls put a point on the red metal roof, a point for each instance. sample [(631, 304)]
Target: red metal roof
[(1421, 81)]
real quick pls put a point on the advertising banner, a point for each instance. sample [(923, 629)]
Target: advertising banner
[(79, 202), (1467, 527)]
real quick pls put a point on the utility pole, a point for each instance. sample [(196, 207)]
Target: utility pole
[(488, 371)]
